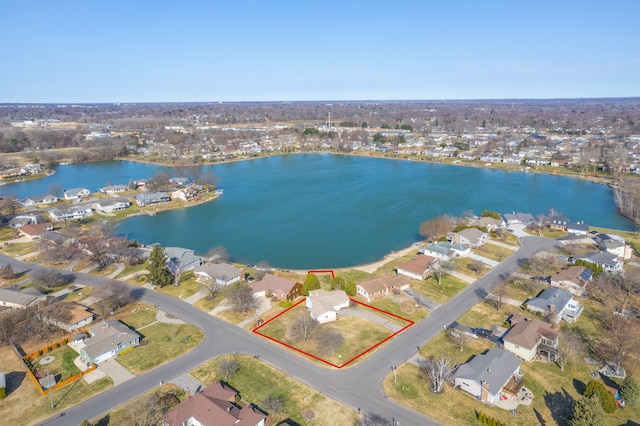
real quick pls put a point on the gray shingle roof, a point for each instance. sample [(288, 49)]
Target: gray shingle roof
[(494, 368)]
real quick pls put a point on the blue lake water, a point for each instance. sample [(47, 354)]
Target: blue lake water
[(323, 210)]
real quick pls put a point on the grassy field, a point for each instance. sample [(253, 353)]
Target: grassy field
[(493, 252), (462, 265), (440, 293), (19, 249), (165, 342), (359, 335), (62, 365), (256, 381), (404, 309)]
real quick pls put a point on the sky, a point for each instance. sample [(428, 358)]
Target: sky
[(57, 51)]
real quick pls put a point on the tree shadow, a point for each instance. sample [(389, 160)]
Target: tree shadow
[(137, 293), (103, 421), (630, 423), (288, 422), (539, 417), (68, 389), (609, 381), (560, 405), (14, 380), (579, 386)]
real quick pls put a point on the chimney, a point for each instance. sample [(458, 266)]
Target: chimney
[(187, 392), (552, 308)]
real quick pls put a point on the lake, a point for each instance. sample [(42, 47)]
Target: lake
[(322, 210)]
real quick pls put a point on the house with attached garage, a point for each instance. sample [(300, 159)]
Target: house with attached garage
[(556, 303), (614, 245), (33, 232), (150, 198), (21, 299), (220, 273), (608, 261), (73, 212), (109, 206), (488, 375), (113, 189), (417, 268), (528, 338), (323, 305), (273, 285), (574, 279), (76, 193), (215, 405), (577, 228), (38, 200), (382, 286), (446, 251), (68, 316), (181, 259), (488, 222), (106, 340), (472, 237)]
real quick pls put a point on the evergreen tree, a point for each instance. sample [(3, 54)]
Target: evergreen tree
[(310, 283), (588, 412), (337, 283), (630, 391), (157, 265), (607, 400)]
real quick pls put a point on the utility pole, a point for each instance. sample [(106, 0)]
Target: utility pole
[(50, 389)]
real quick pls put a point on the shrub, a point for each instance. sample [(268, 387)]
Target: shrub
[(3, 393), (607, 399), (40, 352)]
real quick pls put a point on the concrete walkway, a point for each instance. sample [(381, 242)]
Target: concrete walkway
[(463, 277), (195, 297), (185, 381), (113, 369), (162, 316)]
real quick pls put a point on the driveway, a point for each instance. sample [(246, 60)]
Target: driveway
[(369, 316), (113, 369)]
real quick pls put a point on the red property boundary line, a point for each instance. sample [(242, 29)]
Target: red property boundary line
[(322, 271), (408, 321)]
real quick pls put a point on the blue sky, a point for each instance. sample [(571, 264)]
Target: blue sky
[(172, 51)]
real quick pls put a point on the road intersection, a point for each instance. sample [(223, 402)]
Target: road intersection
[(358, 387)]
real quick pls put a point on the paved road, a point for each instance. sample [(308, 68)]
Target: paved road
[(358, 387)]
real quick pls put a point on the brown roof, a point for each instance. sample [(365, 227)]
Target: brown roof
[(383, 283), (273, 283), (33, 230), (418, 265), (572, 273), (525, 331), (214, 406)]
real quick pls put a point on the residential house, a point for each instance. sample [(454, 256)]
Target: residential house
[(150, 198), (220, 273), (488, 375), (181, 259), (38, 200), (67, 315), (470, 236), (215, 405), (528, 338), (518, 218), (614, 245), (109, 206), (33, 232), (556, 303), (608, 261), (113, 189), (185, 194), (73, 212), (488, 222), (558, 222), (574, 279), (25, 219), (381, 286), (324, 305), (446, 251), (76, 193), (106, 340), (21, 299), (417, 268), (577, 228), (272, 285)]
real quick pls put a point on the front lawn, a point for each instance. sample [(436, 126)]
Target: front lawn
[(164, 342), (256, 381), (493, 252), (440, 293), (405, 309)]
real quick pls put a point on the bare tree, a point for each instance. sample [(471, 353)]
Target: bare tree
[(228, 367), (241, 298), (621, 338), (440, 269), (6, 272), (96, 249), (435, 228), (107, 228), (212, 288), (373, 419), (147, 411), (459, 339), (49, 278), (274, 404), (476, 266), (329, 341), (436, 372), (539, 266), (303, 327), (112, 296), (218, 254)]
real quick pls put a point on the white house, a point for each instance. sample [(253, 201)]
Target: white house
[(38, 199), (470, 236), (107, 339), (608, 261), (446, 251), (556, 301), (109, 206), (487, 376), (324, 305), (529, 337), (113, 189), (20, 299), (74, 212), (76, 193), (222, 273), (614, 245)]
